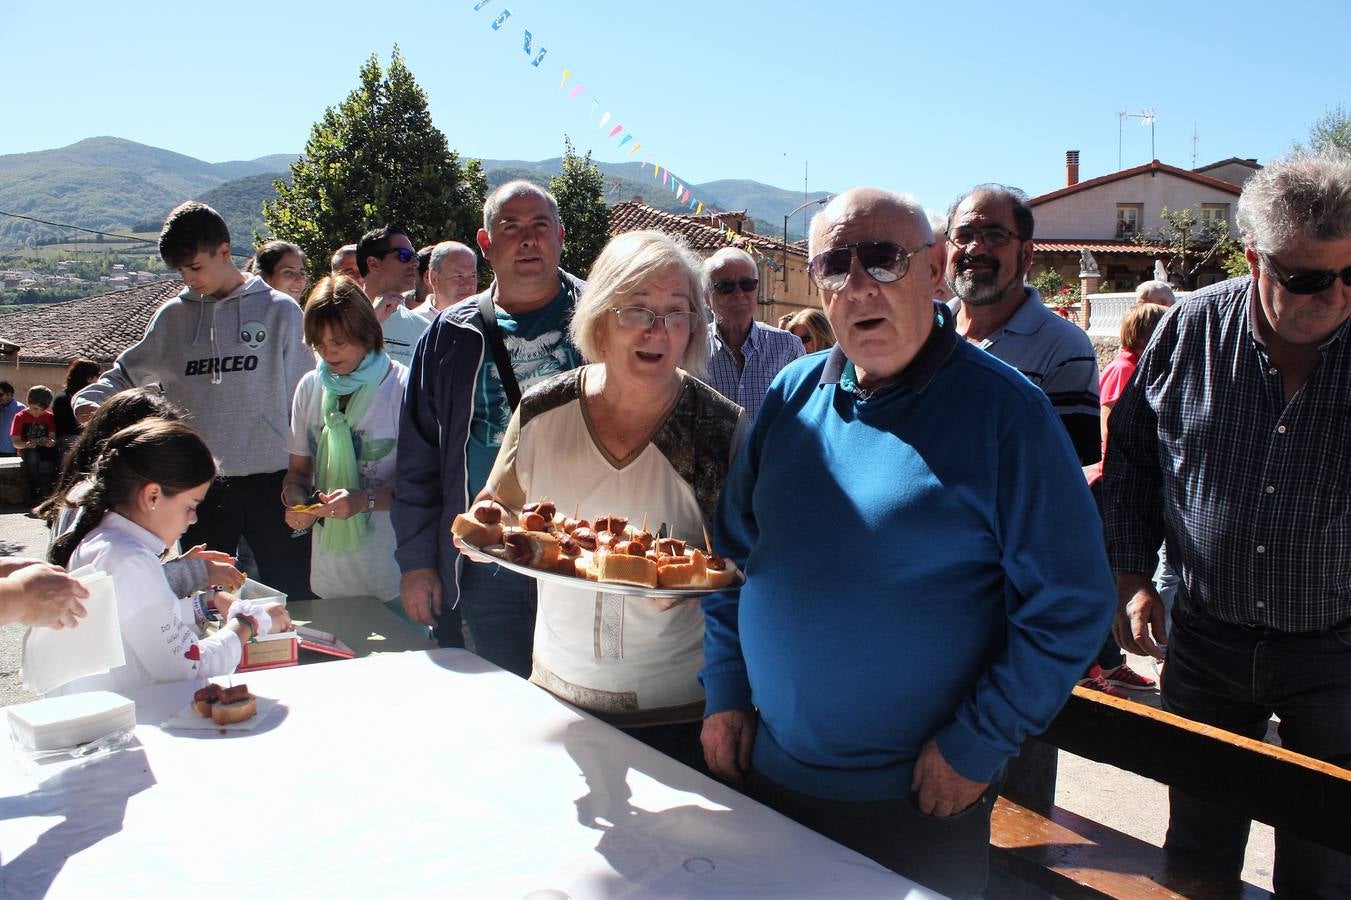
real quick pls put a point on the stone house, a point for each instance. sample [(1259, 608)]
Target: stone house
[(784, 285)]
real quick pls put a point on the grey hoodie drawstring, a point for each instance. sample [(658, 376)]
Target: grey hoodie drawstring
[(216, 377)]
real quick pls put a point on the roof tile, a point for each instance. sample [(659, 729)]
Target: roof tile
[(698, 232), (98, 328)]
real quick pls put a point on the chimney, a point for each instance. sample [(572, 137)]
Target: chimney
[(1071, 168)]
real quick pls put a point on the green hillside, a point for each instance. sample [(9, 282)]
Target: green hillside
[(116, 185), (240, 203), (105, 183)]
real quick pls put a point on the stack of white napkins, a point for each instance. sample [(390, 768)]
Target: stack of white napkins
[(59, 722), (54, 657)]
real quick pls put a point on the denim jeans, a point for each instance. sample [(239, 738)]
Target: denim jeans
[(1234, 678), (950, 855), (498, 606)]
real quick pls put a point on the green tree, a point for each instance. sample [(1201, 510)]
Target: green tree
[(1331, 131), (1192, 243), (374, 159), (580, 192)]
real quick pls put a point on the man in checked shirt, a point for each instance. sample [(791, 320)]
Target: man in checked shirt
[(1233, 443), (743, 355)]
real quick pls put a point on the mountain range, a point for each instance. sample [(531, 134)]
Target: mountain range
[(112, 184)]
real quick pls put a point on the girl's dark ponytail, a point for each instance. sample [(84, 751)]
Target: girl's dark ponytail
[(164, 452), (120, 411), (92, 509)]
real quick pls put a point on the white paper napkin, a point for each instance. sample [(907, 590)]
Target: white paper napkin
[(54, 657)]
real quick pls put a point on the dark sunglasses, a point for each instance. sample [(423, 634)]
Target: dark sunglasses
[(405, 255), (746, 285), (884, 262), (1306, 282), (992, 235)]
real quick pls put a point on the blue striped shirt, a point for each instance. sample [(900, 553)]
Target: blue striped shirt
[(766, 350)]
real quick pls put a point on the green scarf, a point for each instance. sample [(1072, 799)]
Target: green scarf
[(335, 460)]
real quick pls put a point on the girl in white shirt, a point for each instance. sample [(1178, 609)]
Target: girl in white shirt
[(144, 492)]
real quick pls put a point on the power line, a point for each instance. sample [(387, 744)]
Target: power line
[(125, 237)]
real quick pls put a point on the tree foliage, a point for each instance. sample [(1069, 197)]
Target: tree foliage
[(1192, 243), (377, 158), (580, 192), (1331, 131)]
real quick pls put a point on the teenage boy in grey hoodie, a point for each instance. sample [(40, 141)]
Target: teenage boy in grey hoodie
[(228, 351)]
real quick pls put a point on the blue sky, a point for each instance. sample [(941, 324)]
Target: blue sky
[(926, 98)]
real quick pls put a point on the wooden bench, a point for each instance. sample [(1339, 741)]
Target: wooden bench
[(1069, 856)]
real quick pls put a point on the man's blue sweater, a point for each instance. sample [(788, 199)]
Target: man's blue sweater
[(923, 563)]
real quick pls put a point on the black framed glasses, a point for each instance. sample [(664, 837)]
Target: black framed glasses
[(991, 235), (405, 255), (642, 317), (884, 261), (1306, 282), (745, 285)]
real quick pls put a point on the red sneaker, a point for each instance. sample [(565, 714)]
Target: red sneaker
[(1095, 682), (1126, 678)]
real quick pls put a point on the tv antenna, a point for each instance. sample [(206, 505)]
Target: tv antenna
[(1146, 117)]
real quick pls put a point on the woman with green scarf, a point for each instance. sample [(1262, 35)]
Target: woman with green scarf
[(344, 429)]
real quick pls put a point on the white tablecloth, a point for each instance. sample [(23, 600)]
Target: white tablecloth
[(412, 774)]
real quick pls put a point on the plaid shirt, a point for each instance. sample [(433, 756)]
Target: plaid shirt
[(766, 349), (1252, 493)]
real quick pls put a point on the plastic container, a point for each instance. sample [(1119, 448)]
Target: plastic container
[(256, 590), (58, 723)]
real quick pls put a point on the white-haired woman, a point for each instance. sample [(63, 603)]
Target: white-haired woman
[(631, 434)]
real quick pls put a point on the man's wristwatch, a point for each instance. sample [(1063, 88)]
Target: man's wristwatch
[(370, 501)]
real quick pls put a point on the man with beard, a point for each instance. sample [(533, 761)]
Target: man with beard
[(989, 253)]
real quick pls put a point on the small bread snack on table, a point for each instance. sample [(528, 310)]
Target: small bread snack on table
[(225, 706), (607, 551)]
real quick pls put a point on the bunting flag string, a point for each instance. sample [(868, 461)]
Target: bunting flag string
[(681, 192)]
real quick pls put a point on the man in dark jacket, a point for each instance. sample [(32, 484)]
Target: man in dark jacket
[(455, 413)]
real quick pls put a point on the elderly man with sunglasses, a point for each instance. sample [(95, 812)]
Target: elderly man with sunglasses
[(908, 615), (743, 355), (1232, 443), (389, 265)]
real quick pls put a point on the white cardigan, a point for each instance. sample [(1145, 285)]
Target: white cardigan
[(158, 642)]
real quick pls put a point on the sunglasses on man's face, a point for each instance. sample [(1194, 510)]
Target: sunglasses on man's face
[(745, 285), (1306, 282), (884, 262), (405, 255)]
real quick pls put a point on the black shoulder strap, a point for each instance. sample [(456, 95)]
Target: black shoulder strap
[(487, 317)]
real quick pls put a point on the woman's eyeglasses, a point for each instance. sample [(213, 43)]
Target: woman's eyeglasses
[(642, 317), (1306, 282), (884, 261)]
